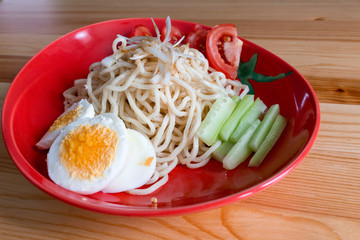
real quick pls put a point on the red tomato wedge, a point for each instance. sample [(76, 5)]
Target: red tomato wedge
[(175, 34), (197, 38), (139, 30), (223, 49)]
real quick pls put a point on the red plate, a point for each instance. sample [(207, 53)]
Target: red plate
[(35, 99)]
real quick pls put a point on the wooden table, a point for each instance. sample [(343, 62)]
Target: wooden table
[(320, 199)]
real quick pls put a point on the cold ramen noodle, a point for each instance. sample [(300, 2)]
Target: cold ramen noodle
[(138, 114)]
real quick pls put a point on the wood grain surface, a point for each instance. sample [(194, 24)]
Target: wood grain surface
[(319, 200)]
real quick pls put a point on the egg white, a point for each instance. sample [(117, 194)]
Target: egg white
[(60, 175), (135, 173), (87, 111)]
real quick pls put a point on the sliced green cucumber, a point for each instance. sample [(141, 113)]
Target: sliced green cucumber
[(235, 117), (210, 127), (240, 151), (222, 150), (264, 127), (269, 141), (255, 111), (236, 99)]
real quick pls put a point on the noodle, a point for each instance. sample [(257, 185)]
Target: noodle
[(163, 91)]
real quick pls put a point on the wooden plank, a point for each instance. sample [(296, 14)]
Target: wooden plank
[(60, 17)]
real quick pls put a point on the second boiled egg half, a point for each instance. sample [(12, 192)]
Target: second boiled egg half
[(139, 165)]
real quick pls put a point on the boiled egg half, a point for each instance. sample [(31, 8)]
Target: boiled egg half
[(81, 109), (88, 154), (139, 165)]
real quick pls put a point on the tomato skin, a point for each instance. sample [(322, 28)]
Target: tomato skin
[(197, 38), (140, 30), (175, 34), (223, 49)]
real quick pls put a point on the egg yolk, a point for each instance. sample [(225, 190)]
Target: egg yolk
[(147, 161), (65, 119), (88, 150)]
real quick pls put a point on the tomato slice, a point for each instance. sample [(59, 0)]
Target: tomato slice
[(223, 49), (139, 30), (197, 38), (175, 34)]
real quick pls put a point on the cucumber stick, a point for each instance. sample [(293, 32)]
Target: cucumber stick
[(255, 111), (234, 119), (222, 150), (264, 127), (269, 141), (236, 99), (240, 151), (210, 127)]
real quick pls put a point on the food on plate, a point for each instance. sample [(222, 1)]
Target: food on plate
[(255, 131), (273, 135), (219, 112), (88, 154), (256, 110), (174, 36), (139, 30), (158, 103), (264, 127), (81, 109), (139, 167), (235, 117), (240, 151), (197, 38), (223, 49)]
